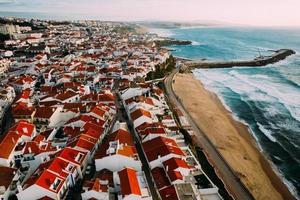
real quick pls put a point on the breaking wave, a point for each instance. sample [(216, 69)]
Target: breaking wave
[(266, 99)]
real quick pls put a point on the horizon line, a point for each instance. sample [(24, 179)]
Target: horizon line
[(72, 17)]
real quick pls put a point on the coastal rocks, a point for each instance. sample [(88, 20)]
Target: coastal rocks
[(169, 42)]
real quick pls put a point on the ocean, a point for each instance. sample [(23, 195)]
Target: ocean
[(267, 99)]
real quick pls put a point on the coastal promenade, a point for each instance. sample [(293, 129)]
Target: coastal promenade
[(232, 183), (257, 62)]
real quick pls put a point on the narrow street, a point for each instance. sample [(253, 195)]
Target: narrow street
[(233, 184), (123, 117), (6, 122)]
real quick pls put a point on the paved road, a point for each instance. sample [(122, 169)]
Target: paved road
[(232, 183)]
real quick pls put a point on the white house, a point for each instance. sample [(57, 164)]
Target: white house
[(132, 185), (140, 116), (161, 149), (20, 132), (8, 181), (53, 178), (118, 152), (96, 189), (132, 92)]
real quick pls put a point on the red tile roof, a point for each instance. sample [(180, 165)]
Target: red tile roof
[(98, 111), (7, 174), (10, 140), (174, 175), (96, 185), (123, 136), (139, 113), (47, 178), (98, 126), (44, 112), (25, 94), (72, 85), (84, 118), (85, 144), (146, 125), (160, 178), (93, 133), (24, 79), (48, 89), (153, 130), (35, 149), (126, 149), (80, 107), (65, 95), (71, 155), (58, 168), (35, 176), (149, 101), (174, 163), (102, 97), (129, 182), (161, 146), (23, 128), (106, 175), (88, 119), (21, 109), (72, 132), (168, 193)]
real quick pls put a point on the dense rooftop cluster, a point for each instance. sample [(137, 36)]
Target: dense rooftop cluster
[(80, 121)]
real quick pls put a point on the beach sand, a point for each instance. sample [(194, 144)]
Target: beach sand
[(231, 138)]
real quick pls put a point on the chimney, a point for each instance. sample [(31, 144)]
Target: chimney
[(25, 130), (167, 168), (29, 149)]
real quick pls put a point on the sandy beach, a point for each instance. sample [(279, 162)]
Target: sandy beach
[(231, 138)]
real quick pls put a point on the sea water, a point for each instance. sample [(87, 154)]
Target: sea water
[(267, 99)]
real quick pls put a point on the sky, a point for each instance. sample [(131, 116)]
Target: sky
[(240, 12)]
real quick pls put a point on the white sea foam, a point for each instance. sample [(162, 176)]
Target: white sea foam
[(271, 111), (290, 73), (278, 158), (266, 132), (264, 89), (161, 32), (193, 27), (288, 184), (195, 43), (209, 81), (285, 94)]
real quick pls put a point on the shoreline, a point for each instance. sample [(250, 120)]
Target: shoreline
[(256, 171), (267, 165)]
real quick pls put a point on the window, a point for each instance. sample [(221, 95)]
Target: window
[(79, 157), (56, 183), (69, 168)]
